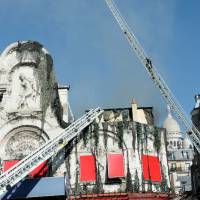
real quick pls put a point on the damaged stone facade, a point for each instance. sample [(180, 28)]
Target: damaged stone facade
[(180, 154), (32, 107), (195, 170), (115, 132)]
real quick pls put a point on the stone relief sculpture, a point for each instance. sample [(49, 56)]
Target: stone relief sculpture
[(22, 144), (28, 91)]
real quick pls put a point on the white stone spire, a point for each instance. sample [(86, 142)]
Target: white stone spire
[(169, 111)]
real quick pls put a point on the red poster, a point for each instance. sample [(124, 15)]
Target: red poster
[(39, 171), (151, 168), (87, 168), (7, 164), (115, 165)]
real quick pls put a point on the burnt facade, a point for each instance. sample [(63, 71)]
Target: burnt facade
[(195, 114)]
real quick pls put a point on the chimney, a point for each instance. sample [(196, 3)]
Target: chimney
[(134, 109), (63, 95)]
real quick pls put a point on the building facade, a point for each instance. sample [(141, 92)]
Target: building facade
[(180, 154), (195, 114), (33, 108), (123, 155), (121, 152)]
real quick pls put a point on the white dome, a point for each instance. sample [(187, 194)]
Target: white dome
[(171, 125), (187, 144)]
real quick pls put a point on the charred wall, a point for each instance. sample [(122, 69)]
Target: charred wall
[(195, 114)]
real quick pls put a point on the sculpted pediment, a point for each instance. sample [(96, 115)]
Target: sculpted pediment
[(31, 104), (28, 86), (24, 68)]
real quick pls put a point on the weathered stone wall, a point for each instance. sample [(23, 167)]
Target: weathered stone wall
[(31, 112), (30, 108), (195, 171), (132, 139)]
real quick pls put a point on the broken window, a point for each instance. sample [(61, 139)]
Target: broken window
[(173, 167), (2, 91), (1, 96)]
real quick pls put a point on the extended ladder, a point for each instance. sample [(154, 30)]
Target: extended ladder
[(44, 152), (155, 76)]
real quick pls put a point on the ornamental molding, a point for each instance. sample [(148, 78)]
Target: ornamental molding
[(22, 141)]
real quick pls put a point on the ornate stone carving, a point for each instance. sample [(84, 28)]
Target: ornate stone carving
[(28, 91), (22, 144), (29, 99)]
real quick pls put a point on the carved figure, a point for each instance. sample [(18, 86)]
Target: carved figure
[(28, 91)]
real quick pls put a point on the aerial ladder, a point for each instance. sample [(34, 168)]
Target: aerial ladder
[(168, 96), (19, 171)]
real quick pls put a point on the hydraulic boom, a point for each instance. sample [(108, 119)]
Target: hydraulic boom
[(155, 76)]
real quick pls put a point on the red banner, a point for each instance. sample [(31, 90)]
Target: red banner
[(39, 171), (115, 165), (7, 164), (87, 168), (151, 168)]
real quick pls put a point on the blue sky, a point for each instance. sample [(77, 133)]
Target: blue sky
[(92, 56)]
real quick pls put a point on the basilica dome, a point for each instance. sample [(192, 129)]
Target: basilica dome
[(170, 124)]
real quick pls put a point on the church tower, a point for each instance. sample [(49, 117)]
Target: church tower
[(180, 154), (174, 135)]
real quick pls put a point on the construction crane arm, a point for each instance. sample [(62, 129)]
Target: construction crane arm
[(168, 96)]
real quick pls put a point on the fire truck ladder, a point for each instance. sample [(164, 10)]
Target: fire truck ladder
[(170, 99), (44, 152)]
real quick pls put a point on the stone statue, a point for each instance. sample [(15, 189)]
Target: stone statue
[(28, 91)]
